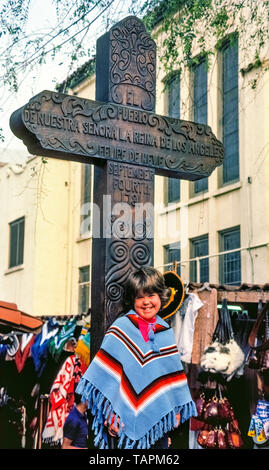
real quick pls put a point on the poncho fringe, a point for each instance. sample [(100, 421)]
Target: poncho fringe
[(102, 410)]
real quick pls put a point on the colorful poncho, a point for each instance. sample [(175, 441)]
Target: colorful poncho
[(142, 383)]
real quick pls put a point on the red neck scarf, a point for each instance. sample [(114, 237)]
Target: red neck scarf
[(145, 326)]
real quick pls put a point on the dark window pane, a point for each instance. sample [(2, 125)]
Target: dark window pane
[(87, 183), (174, 111), (200, 109), (173, 189), (16, 243), (84, 288), (174, 97), (230, 112), (85, 225), (201, 185), (171, 254)]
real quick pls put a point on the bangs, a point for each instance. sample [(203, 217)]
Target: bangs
[(145, 280)]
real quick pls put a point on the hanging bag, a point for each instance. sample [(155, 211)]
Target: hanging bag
[(258, 357), (223, 355)]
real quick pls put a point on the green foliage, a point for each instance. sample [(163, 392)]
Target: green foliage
[(186, 25)]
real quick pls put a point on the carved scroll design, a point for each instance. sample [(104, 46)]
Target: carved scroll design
[(133, 61), (72, 109)]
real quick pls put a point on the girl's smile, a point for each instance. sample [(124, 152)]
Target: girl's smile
[(147, 305)]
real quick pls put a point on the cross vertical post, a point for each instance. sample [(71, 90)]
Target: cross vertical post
[(125, 75)]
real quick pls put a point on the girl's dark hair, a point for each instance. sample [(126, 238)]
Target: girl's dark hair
[(148, 280)]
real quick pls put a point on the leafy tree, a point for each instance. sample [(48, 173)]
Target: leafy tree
[(185, 25)]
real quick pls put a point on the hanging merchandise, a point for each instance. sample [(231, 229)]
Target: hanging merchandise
[(40, 348), (223, 355), (258, 357), (218, 426), (183, 325), (205, 322), (79, 370), (83, 345), (26, 342), (259, 424), (58, 341), (62, 400), (12, 344)]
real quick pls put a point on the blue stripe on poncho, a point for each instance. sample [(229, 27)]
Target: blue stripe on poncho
[(143, 384)]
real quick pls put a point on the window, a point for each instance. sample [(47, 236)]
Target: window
[(230, 264), (200, 109), (199, 247), (230, 111), (86, 199), (84, 289), (16, 242), (173, 87), (172, 253)]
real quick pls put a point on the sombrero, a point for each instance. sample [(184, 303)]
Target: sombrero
[(176, 285)]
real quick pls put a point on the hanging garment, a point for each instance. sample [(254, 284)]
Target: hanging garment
[(58, 341), (144, 388), (12, 345), (40, 347), (83, 345), (27, 340), (205, 323), (3, 351), (62, 400), (259, 424), (79, 369), (183, 326)]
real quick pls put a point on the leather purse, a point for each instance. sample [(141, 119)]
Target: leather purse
[(211, 410), (225, 410), (234, 439), (200, 404), (258, 357), (221, 438)]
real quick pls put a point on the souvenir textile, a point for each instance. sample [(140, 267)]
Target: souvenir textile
[(24, 351), (259, 424), (83, 347), (12, 345), (58, 341), (62, 400), (40, 348), (128, 381)]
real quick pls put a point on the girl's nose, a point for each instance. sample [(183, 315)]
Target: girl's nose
[(146, 300)]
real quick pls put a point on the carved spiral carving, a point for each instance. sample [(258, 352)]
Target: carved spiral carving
[(114, 291), (119, 251), (140, 255)]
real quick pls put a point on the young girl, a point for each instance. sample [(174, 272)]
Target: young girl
[(135, 386)]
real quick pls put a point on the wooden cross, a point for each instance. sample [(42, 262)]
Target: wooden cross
[(128, 143)]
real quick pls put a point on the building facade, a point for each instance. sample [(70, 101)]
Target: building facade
[(212, 230)]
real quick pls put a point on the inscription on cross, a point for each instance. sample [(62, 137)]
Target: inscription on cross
[(128, 143)]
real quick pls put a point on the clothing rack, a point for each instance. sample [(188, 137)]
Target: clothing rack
[(245, 293)]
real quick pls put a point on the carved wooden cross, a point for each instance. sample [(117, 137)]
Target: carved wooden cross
[(128, 144)]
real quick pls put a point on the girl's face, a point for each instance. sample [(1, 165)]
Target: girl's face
[(147, 305)]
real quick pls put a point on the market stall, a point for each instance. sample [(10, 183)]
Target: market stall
[(41, 361), (216, 329)]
